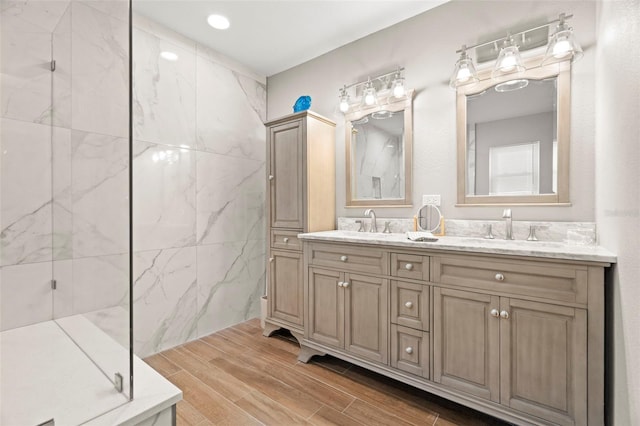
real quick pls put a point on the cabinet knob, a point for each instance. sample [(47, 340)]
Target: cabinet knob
[(409, 350), (270, 177), (495, 313), (285, 239), (343, 258), (408, 266), (408, 305), (271, 259), (499, 277), (345, 284), (340, 283), (504, 314)]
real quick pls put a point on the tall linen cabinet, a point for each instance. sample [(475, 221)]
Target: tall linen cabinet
[(301, 184)]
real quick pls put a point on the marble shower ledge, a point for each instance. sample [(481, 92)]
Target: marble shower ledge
[(542, 249)]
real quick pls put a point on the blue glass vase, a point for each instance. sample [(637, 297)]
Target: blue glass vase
[(302, 104)]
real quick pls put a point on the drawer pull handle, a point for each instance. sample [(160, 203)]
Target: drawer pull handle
[(409, 350), (504, 314), (499, 277), (408, 305), (285, 239), (408, 266), (271, 259), (343, 258), (495, 313), (340, 283), (270, 177), (345, 284)]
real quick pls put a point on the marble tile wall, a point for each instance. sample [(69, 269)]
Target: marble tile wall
[(199, 167), (64, 158)]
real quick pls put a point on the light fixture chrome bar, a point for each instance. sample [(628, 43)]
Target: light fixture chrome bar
[(561, 18), (379, 77)]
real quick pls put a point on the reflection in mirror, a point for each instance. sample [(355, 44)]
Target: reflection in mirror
[(429, 218), (378, 153), (513, 138)]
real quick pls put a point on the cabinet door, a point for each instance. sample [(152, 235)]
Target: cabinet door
[(367, 317), (286, 174), (466, 342), (543, 360), (286, 291), (326, 307)]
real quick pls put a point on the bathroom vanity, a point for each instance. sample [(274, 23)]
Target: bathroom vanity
[(513, 329)]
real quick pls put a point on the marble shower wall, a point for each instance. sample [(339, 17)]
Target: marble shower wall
[(199, 189), (64, 164)]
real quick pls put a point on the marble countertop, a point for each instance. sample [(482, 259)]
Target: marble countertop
[(542, 249)]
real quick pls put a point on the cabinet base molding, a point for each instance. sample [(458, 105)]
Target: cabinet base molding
[(271, 326), (309, 349)]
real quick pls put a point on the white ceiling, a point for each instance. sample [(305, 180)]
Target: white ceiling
[(270, 36)]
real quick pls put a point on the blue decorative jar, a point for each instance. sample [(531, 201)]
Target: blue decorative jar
[(302, 104)]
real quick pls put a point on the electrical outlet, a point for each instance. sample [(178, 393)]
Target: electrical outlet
[(431, 199)]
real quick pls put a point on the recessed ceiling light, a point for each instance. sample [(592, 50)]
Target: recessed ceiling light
[(169, 56), (218, 22)]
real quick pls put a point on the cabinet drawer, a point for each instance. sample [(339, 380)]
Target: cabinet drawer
[(346, 258), (410, 266), (410, 350), (287, 240), (567, 283), (410, 305)]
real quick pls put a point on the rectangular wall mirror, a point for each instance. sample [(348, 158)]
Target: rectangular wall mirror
[(378, 143), (513, 138)]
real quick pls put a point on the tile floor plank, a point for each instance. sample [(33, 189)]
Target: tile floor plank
[(236, 377), (209, 403)]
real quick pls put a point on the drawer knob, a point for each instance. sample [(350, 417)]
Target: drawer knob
[(270, 177), (504, 314), (345, 284), (495, 313), (340, 283), (409, 350), (408, 305), (271, 259), (499, 277), (408, 266), (343, 258), (285, 239)]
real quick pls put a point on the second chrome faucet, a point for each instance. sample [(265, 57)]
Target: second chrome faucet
[(508, 234), (372, 215)]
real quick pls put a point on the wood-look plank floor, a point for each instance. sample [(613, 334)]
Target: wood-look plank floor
[(238, 377)]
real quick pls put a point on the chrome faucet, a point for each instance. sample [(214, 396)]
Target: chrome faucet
[(508, 234), (372, 215)]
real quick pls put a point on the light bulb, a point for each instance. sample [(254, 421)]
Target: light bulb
[(562, 48), (463, 74), (398, 90), (508, 63), (344, 105), (370, 99)]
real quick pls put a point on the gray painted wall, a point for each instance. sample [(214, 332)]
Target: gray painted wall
[(425, 45)]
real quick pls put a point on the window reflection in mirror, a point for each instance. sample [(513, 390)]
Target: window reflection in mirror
[(511, 140), (378, 143)]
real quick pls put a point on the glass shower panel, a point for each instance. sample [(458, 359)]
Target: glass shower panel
[(64, 210)]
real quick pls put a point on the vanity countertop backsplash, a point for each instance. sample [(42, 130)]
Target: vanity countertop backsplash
[(561, 240)]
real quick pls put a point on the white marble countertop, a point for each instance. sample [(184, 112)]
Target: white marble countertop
[(542, 249)]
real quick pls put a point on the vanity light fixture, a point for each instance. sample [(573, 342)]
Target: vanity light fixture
[(561, 46), (368, 92), (218, 22)]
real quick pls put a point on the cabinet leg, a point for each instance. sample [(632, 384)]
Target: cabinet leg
[(306, 353), (269, 329)]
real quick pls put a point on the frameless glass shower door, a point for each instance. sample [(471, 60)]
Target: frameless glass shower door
[(64, 210)]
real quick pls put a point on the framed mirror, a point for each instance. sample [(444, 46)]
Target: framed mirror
[(378, 143), (513, 138)]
